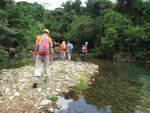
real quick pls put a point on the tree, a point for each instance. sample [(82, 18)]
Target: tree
[(113, 25), (138, 40), (80, 30), (4, 4), (72, 5), (132, 8), (94, 6)]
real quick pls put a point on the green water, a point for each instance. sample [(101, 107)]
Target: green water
[(124, 86), (16, 63)]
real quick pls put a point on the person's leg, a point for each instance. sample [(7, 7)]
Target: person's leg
[(38, 65), (60, 55), (69, 55), (83, 57), (37, 71), (46, 62), (63, 55)]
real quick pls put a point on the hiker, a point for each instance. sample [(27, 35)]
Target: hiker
[(42, 50), (63, 51), (84, 51), (69, 50)]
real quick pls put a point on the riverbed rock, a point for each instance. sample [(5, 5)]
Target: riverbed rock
[(16, 94), (63, 74), (11, 97), (51, 110), (45, 102), (1, 94), (7, 90), (39, 89)]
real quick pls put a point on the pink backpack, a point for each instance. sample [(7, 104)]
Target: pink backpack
[(84, 48), (44, 46)]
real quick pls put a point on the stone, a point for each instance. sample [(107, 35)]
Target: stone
[(10, 81), (22, 80), (48, 88), (45, 102), (7, 90), (51, 110), (1, 94), (58, 106), (39, 89), (11, 97), (16, 94), (58, 90), (1, 101)]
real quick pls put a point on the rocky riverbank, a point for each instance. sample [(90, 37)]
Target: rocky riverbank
[(18, 96)]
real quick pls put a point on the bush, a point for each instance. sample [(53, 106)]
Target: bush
[(3, 54), (119, 55), (81, 85), (141, 55), (53, 97)]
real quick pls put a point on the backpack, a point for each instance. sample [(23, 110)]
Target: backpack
[(64, 47), (43, 45), (70, 46), (83, 49)]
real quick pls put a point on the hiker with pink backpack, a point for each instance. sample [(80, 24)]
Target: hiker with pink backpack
[(42, 51), (83, 51)]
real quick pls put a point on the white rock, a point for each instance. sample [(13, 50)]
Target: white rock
[(48, 88), (7, 90), (59, 90), (22, 80), (51, 110), (16, 94), (1, 102), (39, 89), (11, 97), (58, 106), (45, 102)]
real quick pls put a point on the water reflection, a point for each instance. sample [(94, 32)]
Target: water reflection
[(79, 106)]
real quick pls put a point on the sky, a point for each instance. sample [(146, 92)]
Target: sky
[(50, 4)]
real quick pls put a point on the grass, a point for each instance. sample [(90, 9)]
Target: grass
[(14, 73), (81, 85), (53, 97), (78, 59), (63, 71)]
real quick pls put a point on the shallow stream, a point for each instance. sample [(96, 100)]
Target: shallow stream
[(118, 88)]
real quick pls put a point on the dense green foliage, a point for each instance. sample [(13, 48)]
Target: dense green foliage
[(117, 30)]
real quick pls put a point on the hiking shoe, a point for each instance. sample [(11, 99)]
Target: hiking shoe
[(35, 85), (46, 79)]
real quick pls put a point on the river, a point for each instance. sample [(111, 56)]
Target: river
[(118, 88)]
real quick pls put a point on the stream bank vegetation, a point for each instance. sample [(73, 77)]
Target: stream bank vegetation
[(118, 31)]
